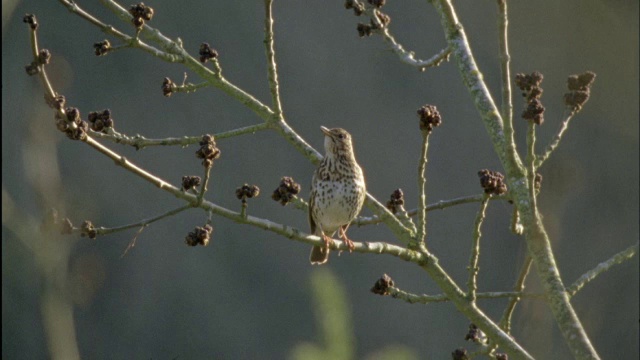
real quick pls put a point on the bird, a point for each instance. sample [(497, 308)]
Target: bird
[(337, 194)]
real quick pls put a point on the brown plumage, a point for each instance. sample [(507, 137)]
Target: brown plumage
[(337, 192)]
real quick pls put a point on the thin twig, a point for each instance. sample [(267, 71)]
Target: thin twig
[(616, 259), (505, 321), (428, 299), (531, 162), (243, 210), (49, 91), (505, 58), (555, 142), (299, 203), (472, 283), (422, 183), (141, 225), (440, 205), (189, 88), (407, 57), (214, 77), (130, 41), (271, 59), (141, 142), (205, 184), (42, 72), (404, 218)]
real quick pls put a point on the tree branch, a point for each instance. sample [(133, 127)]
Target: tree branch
[(141, 223), (505, 59), (110, 30), (535, 234), (141, 142), (531, 162), (422, 183), (215, 78), (440, 205), (271, 59), (407, 57), (616, 259), (555, 142), (475, 250), (505, 321), (428, 299)]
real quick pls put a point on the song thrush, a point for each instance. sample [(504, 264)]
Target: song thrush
[(337, 192)]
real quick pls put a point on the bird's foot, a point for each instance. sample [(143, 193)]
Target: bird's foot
[(327, 241), (346, 240)]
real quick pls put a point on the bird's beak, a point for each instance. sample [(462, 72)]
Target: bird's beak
[(325, 130)]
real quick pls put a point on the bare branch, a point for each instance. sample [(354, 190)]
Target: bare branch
[(531, 160), (616, 259), (205, 184), (428, 299), (142, 223), (214, 77), (189, 87), (555, 142), (505, 59), (141, 142), (110, 30), (440, 205), (407, 57), (505, 321), (271, 59), (422, 182), (475, 250)]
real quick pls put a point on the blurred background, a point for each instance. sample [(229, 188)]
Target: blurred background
[(252, 294)]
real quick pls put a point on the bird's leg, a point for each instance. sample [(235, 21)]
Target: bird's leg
[(345, 239), (327, 241)]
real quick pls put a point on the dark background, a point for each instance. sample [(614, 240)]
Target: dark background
[(247, 294)]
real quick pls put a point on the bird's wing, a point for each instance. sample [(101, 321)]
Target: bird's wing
[(312, 195)]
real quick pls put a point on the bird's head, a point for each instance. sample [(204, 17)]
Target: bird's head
[(337, 142)]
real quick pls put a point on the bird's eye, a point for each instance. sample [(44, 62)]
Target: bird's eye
[(341, 136)]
